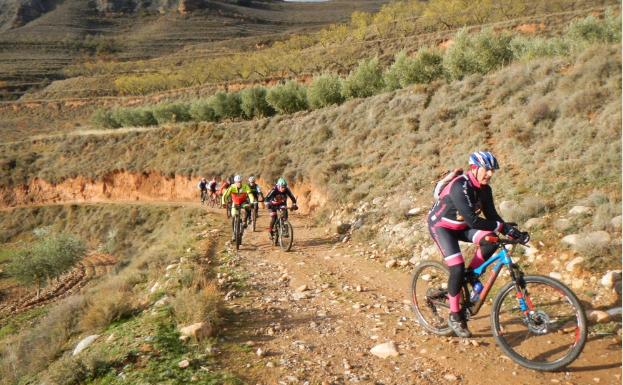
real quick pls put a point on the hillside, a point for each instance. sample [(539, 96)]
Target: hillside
[(104, 243), (40, 39)]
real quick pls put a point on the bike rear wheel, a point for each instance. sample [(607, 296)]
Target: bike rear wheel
[(286, 235), (429, 297), (237, 227), (548, 337)]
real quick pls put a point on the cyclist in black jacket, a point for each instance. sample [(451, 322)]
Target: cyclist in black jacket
[(276, 198), (455, 217)]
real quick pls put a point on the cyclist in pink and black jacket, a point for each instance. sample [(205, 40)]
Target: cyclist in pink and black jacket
[(455, 217)]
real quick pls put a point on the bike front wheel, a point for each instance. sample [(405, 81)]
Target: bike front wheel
[(549, 334), (286, 235), (429, 297)]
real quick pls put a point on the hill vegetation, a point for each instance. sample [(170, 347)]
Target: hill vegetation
[(469, 54), (39, 346), (40, 39)]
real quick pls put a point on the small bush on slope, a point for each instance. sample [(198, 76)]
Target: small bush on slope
[(325, 90), (426, 66), (365, 80), (103, 117), (135, 117), (200, 111), (253, 103), (171, 113), (225, 105), (46, 259), (288, 98), (479, 53)]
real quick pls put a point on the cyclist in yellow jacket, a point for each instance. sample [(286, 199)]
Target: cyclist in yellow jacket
[(241, 195)]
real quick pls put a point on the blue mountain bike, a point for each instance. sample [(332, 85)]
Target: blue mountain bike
[(536, 320)]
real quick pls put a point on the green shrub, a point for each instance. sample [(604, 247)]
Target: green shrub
[(528, 48), (200, 111), (103, 117), (134, 117), (171, 112), (226, 105), (364, 81), (425, 67), (45, 259), (324, 91), (253, 103), (288, 98), (590, 30), (479, 53)]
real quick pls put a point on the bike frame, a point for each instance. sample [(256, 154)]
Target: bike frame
[(500, 259)]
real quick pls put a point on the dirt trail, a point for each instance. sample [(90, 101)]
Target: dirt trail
[(326, 338)]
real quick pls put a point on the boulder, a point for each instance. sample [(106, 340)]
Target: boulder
[(183, 364), (555, 275), (84, 343), (533, 223), (297, 296), (571, 265), (598, 239), (616, 223), (507, 208), (198, 331), (580, 210), (563, 224), (571, 240), (608, 280), (162, 302), (302, 288), (598, 316), (391, 263), (385, 350), (413, 212)]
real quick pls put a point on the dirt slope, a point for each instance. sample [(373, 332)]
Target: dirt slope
[(327, 337)]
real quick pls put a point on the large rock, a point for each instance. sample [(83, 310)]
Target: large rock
[(563, 224), (507, 208), (598, 316), (413, 212), (571, 240), (598, 238), (534, 223), (571, 265), (616, 223), (385, 350), (580, 210), (198, 331), (84, 343), (608, 280)]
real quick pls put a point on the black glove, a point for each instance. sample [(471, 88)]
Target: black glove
[(294, 207), (514, 233)]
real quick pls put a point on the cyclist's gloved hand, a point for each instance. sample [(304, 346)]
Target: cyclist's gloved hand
[(513, 232), (294, 207)]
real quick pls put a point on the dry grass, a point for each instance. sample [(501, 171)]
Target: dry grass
[(198, 304)]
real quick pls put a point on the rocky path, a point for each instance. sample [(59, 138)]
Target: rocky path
[(313, 314)]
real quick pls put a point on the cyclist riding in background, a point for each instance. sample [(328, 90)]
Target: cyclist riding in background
[(256, 191), (203, 187), (240, 195), (276, 198), (455, 217), (224, 186), (212, 185)]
